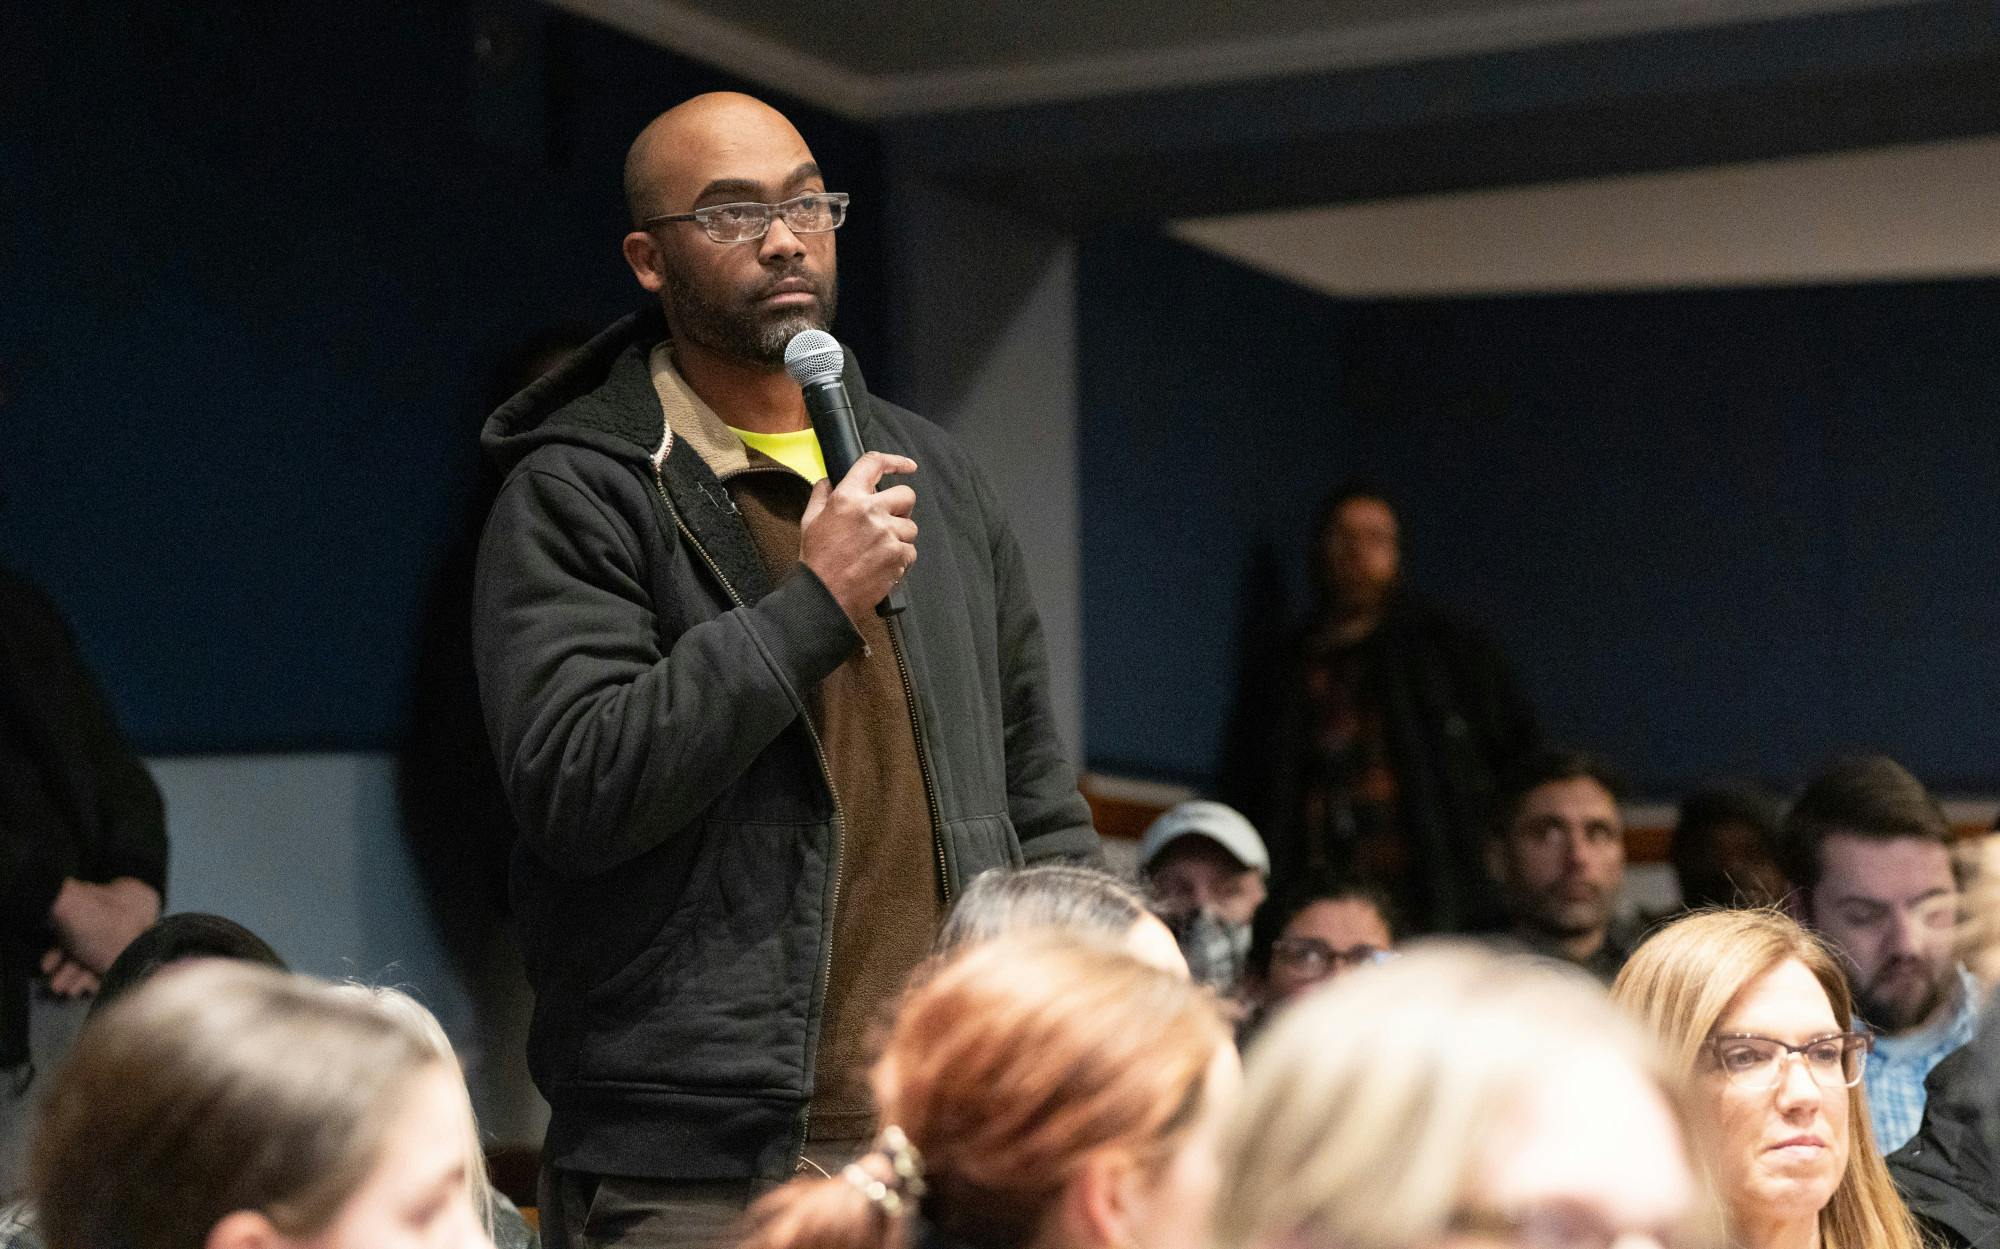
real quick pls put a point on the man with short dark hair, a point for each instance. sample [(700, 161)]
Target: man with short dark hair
[(1869, 854), (1557, 849), (745, 797), (1369, 746), (1723, 848)]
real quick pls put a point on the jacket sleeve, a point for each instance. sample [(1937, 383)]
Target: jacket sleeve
[(607, 746), (120, 819), (1048, 813)]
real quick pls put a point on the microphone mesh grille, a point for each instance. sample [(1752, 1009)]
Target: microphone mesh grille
[(813, 356)]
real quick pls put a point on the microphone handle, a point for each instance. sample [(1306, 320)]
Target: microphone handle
[(840, 445)]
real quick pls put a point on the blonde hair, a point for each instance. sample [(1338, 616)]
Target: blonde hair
[(1369, 1106), (217, 1087), (414, 1016), (1681, 980), (1007, 1067)]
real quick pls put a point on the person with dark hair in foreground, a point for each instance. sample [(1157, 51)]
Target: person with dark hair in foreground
[(175, 939), (1036, 1093), (1369, 746), (1724, 849), (1869, 852), (745, 797), (1557, 849), (1085, 902)]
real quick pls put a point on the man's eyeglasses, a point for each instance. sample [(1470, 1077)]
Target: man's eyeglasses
[(739, 223), (1309, 956), (1758, 1062)]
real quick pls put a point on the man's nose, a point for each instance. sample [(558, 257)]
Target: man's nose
[(780, 241)]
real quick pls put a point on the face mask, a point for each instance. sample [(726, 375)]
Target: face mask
[(1215, 950)]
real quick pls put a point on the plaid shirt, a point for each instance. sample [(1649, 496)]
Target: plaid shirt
[(1897, 1067)]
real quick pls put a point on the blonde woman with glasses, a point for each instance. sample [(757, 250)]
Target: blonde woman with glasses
[(1757, 1012)]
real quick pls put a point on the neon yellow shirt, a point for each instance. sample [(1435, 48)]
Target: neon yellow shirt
[(798, 451)]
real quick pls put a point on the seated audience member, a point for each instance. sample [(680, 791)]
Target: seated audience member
[(1557, 848), (1869, 853), (1949, 1172), (1034, 1091), (1724, 849), (1457, 1097), (1756, 1011), (1207, 869), (177, 938), (224, 1106), (500, 1217), (1313, 932), (1065, 897)]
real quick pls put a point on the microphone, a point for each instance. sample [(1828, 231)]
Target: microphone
[(815, 360)]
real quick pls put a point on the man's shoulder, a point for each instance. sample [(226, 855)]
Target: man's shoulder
[(918, 433)]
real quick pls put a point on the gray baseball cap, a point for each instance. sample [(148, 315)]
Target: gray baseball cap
[(1224, 825)]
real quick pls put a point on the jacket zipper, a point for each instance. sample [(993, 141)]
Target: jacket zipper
[(825, 771), (923, 757)]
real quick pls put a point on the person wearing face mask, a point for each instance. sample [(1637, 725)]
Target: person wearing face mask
[(1208, 871), (1757, 1011), (1457, 1098)]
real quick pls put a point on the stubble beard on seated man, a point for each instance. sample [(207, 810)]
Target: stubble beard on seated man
[(741, 331), (1570, 919), (1894, 1012)]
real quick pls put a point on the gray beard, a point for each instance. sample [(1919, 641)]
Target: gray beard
[(745, 336)]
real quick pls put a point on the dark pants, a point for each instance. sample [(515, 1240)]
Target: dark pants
[(583, 1210)]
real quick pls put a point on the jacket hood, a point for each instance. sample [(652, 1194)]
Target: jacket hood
[(602, 396)]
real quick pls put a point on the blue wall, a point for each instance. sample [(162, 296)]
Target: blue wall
[(1725, 531), (259, 265)]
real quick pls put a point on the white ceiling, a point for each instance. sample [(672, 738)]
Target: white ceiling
[(1914, 212), (873, 59)]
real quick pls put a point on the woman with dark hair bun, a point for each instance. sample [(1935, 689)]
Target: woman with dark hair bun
[(1034, 1091)]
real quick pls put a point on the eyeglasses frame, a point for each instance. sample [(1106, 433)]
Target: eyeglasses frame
[(1862, 1041), (773, 212)]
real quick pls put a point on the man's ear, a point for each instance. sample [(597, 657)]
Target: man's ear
[(642, 254), (245, 1229), (1496, 857)]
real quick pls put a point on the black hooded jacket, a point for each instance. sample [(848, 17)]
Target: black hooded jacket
[(1949, 1172), (647, 692)]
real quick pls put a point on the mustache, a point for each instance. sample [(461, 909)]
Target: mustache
[(793, 272)]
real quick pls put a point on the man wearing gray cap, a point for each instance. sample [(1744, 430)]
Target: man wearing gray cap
[(1207, 869)]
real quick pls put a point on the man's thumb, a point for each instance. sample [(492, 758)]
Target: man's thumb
[(822, 489)]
